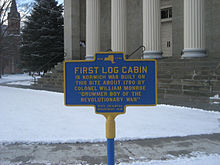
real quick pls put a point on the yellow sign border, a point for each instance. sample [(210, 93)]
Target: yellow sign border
[(106, 114)]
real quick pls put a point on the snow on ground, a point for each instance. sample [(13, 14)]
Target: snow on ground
[(198, 159), (24, 83), (215, 99), (40, 116), (17, 79)]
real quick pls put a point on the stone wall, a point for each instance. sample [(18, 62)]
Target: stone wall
[(52, 81), (188, 82), (105, 39), (134, 26), (212, 25), (177, 27)]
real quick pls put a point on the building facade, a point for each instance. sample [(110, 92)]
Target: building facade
[(183, 35), (11, 42), (183, 28)]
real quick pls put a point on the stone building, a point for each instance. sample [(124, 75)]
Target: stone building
[(165, 27), (11, 42), (183, 35)]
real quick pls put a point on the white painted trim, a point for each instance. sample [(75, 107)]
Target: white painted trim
[(165, 7), (152, 54), (166, 20)]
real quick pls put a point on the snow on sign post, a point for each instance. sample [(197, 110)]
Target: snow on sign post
[(110, 83)]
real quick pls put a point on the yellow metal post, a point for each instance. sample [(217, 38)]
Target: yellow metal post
[(110, 126)]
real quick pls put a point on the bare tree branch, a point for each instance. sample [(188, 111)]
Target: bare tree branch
[(4, 8), (3, 11)]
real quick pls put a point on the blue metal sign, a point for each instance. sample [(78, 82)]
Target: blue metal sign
[(110, 83)]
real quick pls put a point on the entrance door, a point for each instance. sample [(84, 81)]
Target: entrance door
[(166, 38)]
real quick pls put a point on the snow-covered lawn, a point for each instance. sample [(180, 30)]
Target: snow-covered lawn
[(40, 116), (17, 79), (198, 159)]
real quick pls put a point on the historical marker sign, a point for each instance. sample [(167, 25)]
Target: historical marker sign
[(110, 83)]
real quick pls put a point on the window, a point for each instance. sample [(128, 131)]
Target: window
[(166, 13), (168, 44)]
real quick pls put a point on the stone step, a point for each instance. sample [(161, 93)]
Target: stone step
[(53, 80), (183, 81), (195, 93)]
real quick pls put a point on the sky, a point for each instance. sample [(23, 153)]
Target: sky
[(26, 1), (23, 10)]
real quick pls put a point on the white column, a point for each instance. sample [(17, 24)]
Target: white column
[(72, 29), (118, 25), (194, 38), (151, 29), (92, 28), (68, 29)]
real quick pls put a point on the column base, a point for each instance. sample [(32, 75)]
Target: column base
[(89, 57), (194, 53), (152, 54)]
